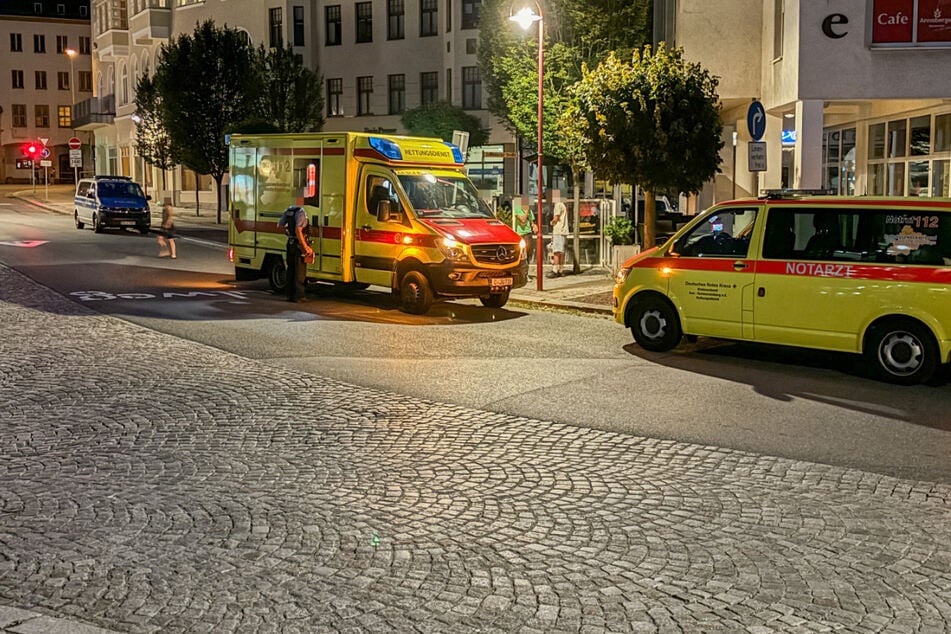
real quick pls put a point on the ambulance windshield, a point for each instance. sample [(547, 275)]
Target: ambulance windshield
[(443, 196)]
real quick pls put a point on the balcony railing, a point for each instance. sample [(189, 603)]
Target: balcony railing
[(94, 112)]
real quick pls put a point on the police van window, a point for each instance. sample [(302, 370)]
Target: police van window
[(892, 237), (724, 234), (83, 188), (306, 180)]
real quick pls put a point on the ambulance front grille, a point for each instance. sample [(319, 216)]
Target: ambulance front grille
[(495, 253)]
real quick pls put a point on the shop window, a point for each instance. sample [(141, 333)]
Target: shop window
[(941, 178), (920, 140), (876, 141), (897, 138), (942, 133)]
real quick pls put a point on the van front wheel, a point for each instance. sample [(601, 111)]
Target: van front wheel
[(654, 325), (416, 296), (903, 352), (495, 300), (96, 224)]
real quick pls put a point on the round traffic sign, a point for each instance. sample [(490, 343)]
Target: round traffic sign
[(45, 153), (75, 144), (756, 120)]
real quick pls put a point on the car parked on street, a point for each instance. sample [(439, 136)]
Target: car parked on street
[(111, 201)]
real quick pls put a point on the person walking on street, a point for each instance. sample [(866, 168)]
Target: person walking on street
[(294, 221), (559, 236), (525, 227), (166, 233)]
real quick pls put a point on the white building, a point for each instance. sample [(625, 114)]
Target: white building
[(40, 81), (377, 58), (857, 92)]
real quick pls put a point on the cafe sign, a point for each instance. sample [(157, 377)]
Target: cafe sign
[(904, 23)]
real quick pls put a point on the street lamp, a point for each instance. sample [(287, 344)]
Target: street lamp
[(525, 18), (71, 53)]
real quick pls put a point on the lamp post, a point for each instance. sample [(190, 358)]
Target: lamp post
[(525, 18), (71, 53)]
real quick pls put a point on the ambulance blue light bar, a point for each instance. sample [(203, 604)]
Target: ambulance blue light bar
[(387, 148), (456, 152)]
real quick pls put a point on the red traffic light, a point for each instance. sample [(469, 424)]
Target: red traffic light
[(31, 150)]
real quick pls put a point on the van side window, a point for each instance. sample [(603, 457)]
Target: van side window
[(379, 189), (724, 234), (893, 237), (82, 189)]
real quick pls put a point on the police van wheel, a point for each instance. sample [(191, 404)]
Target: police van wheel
[(277, 275), (79, 223), (96, 225), (415, 294), (654, 325), (903, 352), (497, 300)]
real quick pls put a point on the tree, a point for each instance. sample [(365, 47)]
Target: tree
[(440, 119), (208, 85), (291, 96), (654, 121), (152, 141)]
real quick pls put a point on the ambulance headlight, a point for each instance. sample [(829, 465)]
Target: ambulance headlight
[(622, 274), (452, 249)]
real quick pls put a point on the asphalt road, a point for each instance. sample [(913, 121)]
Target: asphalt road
[(576, 369)]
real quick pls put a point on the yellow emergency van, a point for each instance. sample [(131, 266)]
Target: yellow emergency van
[(863, 275), (392, 211)]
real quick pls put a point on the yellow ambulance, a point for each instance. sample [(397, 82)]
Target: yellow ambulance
[(863, 275), (392, 211)]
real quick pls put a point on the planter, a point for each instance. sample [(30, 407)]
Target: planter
[(621, 252)]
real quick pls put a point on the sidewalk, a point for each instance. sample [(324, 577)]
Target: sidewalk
[(589, 291)]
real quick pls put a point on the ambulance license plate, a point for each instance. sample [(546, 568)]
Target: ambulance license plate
[(500, 282)]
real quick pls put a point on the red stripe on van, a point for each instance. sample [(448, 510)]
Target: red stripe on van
[(857, 270)]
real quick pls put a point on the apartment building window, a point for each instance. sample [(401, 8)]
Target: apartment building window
[(298, 26), (16, 43), (472, 47), (85, 81), (449, 16), (19, 115), (39, 43), (335, 97), (17, 78), (471, 88), (40, 78), (364, 90), (64, 116), (397, 92), (470, 13), (395, 20), (84, 45), (778, 20), (276, 27), (62, 80), (364, 21), (62, 43), (428, 88), (428, 14), (449, 85), (332, 15), (42, 112)]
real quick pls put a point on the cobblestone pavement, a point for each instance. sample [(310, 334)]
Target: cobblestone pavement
[(153, 484)]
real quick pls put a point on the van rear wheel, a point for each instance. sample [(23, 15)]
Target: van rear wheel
[(903, 352), (416, 296), (654, 325), (79, 223)]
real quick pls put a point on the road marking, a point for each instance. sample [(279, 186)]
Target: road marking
[(29, 244), (99, 296)]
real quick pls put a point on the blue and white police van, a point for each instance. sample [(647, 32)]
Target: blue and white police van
[(111, 201)]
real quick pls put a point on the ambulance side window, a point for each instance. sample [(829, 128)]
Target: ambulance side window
[(379, 189), (724, 234)]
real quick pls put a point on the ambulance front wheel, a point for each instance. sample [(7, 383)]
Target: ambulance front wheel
[(496, 300), (416, 296), (654, 324), (277, 274), (903, 351)]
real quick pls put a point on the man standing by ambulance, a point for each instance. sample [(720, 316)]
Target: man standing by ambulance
[(294, 221)]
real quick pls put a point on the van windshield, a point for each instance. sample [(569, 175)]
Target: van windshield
[(118, 188), (443, 196)]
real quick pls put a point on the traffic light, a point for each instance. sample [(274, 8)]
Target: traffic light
[(32, 150)]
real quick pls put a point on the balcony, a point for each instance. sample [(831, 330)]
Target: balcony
[(95, 112), (151, 24), (112, 44)]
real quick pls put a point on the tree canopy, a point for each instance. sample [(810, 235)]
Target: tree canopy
[(291, 95), (440, 119), (152, 142), (653, 120)]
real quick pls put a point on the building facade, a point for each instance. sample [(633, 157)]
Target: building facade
[(857, 93), (45, 68), (377, 58)]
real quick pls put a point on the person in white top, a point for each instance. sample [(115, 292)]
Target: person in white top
[(559, 235)]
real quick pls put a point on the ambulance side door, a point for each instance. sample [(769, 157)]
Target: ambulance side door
[(377, 238), (711, 279)]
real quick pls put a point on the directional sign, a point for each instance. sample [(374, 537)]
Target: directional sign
[(756, 120), (75, 144), (45, 153)]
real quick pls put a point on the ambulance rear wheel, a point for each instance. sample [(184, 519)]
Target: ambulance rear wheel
[(79, 223), (654, 324), (277, 275), (497, 300), (903, 351), (416, 296)]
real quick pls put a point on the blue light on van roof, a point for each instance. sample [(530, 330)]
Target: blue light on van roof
[(387, 148), (456, 152)]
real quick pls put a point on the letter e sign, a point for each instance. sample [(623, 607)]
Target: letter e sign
[(831, 21)]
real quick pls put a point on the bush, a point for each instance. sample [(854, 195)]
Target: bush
[(620, 231)]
